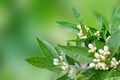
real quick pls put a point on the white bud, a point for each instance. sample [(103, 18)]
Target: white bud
[(103, 58), (96, 60), (56, 63), (101, 51), (92, 65), (90, 46), (97, 33), (86, 28), (63, 67), (94, 48), (106, 53), (106, 68), (97, 55), (113, 59), (89, 51), (106, 48), (65, 64), (79, 34), (55, 60), (85, 37), (117, 63)]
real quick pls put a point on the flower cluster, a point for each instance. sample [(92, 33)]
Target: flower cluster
[(73, 70), (60, 62), (102, 60), (76, 69), (114, 63), (80, 34)]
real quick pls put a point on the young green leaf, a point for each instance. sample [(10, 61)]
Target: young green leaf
[(78, 54), (79, 20), (102, 24), (68, 26), (116, 21), (114, 43), (99, 20), (77, 16), (47, 49)]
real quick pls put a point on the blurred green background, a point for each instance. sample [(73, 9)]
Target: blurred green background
[(21, 21)]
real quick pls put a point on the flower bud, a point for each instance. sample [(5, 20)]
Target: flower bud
[(101, 51), (90, 46), (106, 48), (97, 55), (92, 65)]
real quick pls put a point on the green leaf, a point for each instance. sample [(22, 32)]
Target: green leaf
[(79, 54), (99, 20), (68, 26), (42, 62), (103, 25), (83, 28), (47, 49), (65, 77), (61, 75), (99, 44), (114, 43), (101, 75), (77, 16), (79, 20), (113, 78), (92, 31), (89, 73), (116, 21)]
